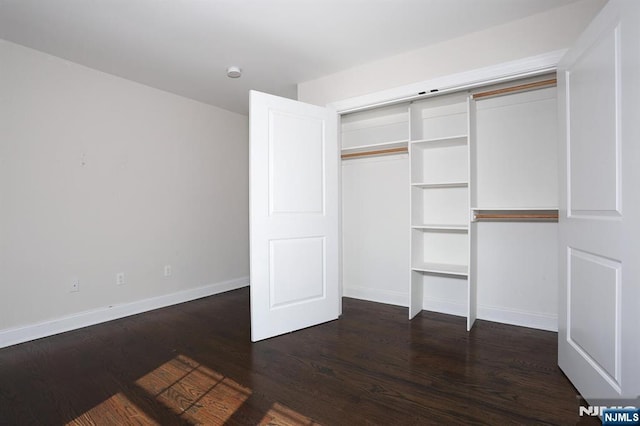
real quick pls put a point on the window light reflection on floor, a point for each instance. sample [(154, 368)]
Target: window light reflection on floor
[(116, 410), (191, 391), (194, 392)]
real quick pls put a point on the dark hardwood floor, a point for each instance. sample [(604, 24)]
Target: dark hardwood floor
[(194, 364)]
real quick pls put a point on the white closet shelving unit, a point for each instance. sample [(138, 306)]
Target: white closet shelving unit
[(439, 152), (481, 204)]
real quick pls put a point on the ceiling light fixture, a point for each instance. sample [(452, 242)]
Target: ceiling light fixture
[(234, 72)]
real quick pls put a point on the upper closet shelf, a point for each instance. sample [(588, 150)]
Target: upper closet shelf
[(377, 126), (384, 148), (440, 184), (516, 209), (441, 142)]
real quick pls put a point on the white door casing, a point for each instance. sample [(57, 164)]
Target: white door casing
[(294, 236), (599, 106)]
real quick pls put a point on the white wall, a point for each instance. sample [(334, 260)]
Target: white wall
[(100, 175), (537, 34), (375, 249), (517, 273)]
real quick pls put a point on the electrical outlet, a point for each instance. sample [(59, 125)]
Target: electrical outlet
[(167, 270), (120, 278), (75, 286)]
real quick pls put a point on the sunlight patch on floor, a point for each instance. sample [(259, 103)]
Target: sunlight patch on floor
[(194, 392), (116, 410), (278, 414), (190, 391)]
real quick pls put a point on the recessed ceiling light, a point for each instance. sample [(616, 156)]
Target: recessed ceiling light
[(234, 72)]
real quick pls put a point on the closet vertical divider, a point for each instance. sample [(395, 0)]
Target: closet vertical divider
[(472, 295), (416, 292)]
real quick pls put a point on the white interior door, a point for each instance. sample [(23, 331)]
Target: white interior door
[(293, 215), (599, 315)]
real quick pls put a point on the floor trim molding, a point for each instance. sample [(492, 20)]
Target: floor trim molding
[(389, 297), (39, 330), (537, 320)]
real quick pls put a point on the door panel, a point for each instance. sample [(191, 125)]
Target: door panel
[(599, 312), (297, 271), (296, 178), (293, 215), (593, 278), (593, 84)]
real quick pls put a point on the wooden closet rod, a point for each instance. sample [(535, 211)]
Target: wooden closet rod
[(376, 152), (519, 88), (517, 216)]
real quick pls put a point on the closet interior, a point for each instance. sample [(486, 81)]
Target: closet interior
[(450, 203)]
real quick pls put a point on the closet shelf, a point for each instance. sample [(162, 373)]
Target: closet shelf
[(440, 185), (516, 209), (442, 268), (453, 228), (441, 142), (385, 148)]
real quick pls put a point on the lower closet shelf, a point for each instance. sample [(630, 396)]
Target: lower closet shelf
[(442, 268)]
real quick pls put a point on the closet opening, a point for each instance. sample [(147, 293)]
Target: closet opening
[(450, 203)]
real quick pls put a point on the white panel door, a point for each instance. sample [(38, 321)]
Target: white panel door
[(599, 312), (293, 215)]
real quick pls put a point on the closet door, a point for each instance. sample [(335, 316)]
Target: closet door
[(599, 92), (293, 215)]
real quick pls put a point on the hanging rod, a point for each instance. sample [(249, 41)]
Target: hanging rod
[(519, 88), (516, 215), (375, 152)]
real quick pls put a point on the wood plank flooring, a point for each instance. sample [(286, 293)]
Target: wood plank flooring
[(194, 364)]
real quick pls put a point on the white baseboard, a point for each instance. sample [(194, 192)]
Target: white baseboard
[(445, 306), (536, 320), (389, 297), (14, 336), (529, 319)]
